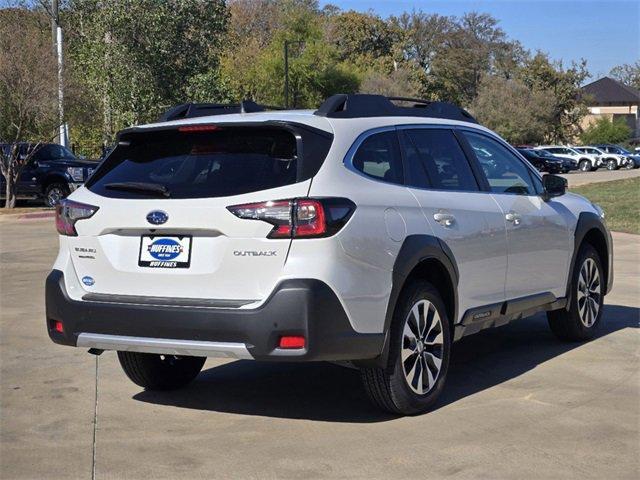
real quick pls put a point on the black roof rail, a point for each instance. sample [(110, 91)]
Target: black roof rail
[(191, 110), (361, 105)]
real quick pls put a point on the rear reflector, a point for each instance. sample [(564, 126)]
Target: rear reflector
[(57, 326), (292, 341)]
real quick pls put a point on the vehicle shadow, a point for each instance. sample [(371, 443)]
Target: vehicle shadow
[(327, 392)]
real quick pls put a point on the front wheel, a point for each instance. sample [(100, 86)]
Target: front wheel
[(54, 193), (612, 164), (583, 317), (419, 351), (160, 372)]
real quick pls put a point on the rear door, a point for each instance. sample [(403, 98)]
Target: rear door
[(163, 227), (466, 218), (539, 240)]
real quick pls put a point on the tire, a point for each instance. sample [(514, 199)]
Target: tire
[(160, 372), (612, 164), (390, 388), (54, 193), (579, 322), (630, 165), (584, 166)]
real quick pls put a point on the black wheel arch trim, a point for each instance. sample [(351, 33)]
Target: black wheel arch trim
[(587, 222), (414, 250)]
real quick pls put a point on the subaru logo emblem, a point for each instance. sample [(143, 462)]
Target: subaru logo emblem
[(157, 217)]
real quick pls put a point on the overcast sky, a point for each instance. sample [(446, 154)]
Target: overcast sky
[(605, 33)]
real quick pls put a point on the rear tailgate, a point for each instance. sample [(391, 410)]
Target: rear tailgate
[(198, 248)]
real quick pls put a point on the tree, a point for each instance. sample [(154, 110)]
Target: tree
[(604, 130), (513, 110), (28, 100), (315, 71), (139, 58), (628, 73), (398, 83), (540, 74)]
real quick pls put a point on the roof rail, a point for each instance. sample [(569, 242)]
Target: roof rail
[(364, 105), (190, 110)]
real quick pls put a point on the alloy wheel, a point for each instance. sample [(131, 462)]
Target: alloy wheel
[(588, 295), (422, 347), (611, 165), (54, 196)]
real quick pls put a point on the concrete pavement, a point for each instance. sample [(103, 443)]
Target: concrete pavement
[(578, 178), (518, 404)]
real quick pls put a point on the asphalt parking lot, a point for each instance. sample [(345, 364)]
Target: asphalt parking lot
[(518, 403), (578, 178)]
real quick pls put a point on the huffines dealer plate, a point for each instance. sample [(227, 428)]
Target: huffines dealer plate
[(165, 252)]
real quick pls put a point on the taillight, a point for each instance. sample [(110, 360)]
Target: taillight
[(299, 217), (68, 213)]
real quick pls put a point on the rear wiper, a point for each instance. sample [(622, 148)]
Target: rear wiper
[(141, 187)]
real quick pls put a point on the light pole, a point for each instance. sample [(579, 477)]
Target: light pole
[(286, 68), (56, 32)]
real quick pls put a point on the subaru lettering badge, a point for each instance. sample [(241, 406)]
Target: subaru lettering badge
[(157, 217), (88, 281)]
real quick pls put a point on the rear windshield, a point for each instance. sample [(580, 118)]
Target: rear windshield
[(200, 164)]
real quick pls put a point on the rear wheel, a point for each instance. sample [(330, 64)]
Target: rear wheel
[(160, 372), (612, 164), (585, 166), (582, 319), (419, 354), (629, 165)]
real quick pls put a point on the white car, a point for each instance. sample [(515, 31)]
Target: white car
[(362, 232), (587, 162), (610, 160)]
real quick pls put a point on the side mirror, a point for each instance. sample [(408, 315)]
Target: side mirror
[(554, 186)]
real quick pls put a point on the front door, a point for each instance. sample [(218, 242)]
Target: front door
[(539, 239)]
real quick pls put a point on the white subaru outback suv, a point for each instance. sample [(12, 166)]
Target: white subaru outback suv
[(364, 232)]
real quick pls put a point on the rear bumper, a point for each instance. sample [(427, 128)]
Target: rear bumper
[(306, 307)]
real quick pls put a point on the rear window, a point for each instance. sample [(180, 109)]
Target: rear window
[(204, 164)]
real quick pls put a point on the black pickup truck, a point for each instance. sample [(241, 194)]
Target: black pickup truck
[(52, 173)]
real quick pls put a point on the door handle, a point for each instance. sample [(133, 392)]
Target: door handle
[(444, 219), (513, 217)]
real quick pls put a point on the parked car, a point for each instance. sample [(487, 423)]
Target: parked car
[(52, 173), (586, 162), (621, 152), (611, 161), (361, 232), (568, 164), (542, 163)]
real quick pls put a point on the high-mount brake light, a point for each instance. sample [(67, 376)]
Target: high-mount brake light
[(198, 128), (68, 213), (299, 217)]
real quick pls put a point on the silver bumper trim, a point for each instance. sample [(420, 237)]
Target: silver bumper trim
[(165, 346)]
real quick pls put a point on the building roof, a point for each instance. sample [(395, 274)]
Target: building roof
[(607, 91)]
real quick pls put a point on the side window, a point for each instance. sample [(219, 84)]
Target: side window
[(379, 157), (504, 171), (435, 159)]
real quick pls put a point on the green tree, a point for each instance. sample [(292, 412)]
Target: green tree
[(628, 73), (604, 130), (540, 74), (254, 67), (139, 58), (513, 110)]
